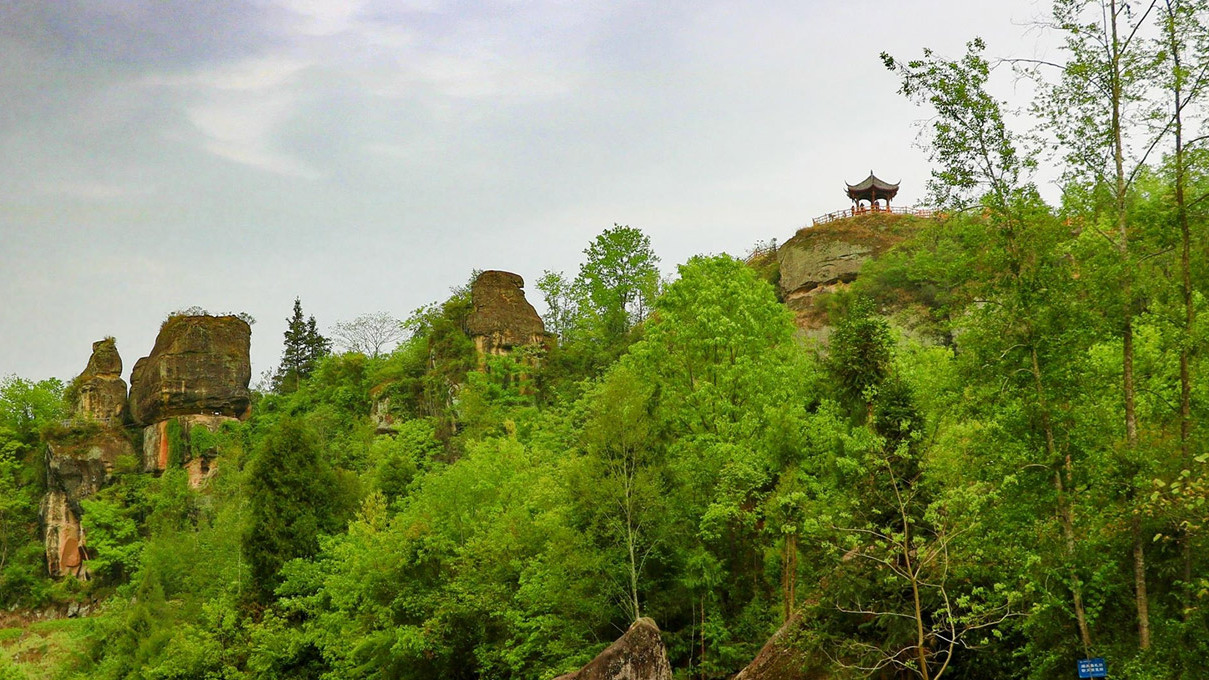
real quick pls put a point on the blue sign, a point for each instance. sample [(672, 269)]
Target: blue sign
[(1093, 668)]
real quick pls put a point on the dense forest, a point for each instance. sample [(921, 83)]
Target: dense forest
[(991, 462)]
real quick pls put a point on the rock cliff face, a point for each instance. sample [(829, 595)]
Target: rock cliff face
[(199, 365), (380, 413), (100, 392), (79, 461), (178, 442), (822, 259), (81, 455), (502, 318), (637, 655), (194, 381)]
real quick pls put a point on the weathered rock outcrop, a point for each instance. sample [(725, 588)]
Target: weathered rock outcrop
[(184, 441), (79, 462), (199, 365), (63, 536), (637, 655), (81, 455), (502, 318), (781, 659), (100, 392), (195, 379), (821, 259), (379, 411)]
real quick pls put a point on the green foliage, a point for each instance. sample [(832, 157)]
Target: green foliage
[(304, 347), (114, 541), (295, 497), (618, 279), (178, 446), (598, 314), (860, 353), (944, 484), (26, 409), (975, 153), (202, 442)]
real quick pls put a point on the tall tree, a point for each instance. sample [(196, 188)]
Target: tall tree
[(1185, 48), (304, 347), (1184, 38), (1021, 279), (1097, 111), (619, 279), (617, 437), (370, 334), (293, 499)]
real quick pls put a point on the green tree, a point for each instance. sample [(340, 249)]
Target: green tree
[(1019, 288), (1099, 113), (618, 280), (561, 306), (859, 355), (618, 440), (26, 408), (304, 347), (1185, 43), (294, 498)]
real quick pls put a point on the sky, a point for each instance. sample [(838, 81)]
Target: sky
[(367, 155)]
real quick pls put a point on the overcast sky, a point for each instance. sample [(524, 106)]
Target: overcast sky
[(367, 155)]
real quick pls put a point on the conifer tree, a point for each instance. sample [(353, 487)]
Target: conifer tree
[(304, 347)]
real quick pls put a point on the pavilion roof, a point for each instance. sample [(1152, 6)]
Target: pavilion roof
[(871, 185)]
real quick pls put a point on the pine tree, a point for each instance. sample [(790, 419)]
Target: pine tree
[(304, 347)]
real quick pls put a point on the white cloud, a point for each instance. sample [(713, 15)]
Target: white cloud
[(241, 127)]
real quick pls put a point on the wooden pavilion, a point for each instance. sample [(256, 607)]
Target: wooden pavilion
[(871, 189)]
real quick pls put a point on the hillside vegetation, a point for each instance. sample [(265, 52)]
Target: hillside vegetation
[(1019, 482)]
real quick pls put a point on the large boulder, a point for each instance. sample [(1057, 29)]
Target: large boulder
[(99, 392), (502, 318), (199, 365), (637, 655), (782, 658)]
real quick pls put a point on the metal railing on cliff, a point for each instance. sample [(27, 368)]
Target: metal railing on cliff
[(854, 212)]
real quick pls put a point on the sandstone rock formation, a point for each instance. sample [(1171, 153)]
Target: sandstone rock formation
[(781, 659), (81, 455), (179, 442), (502, 318), (199, 365), (79, 461), (823, 258), (195, 379), (63, 536), (100, 392), (637, 655)]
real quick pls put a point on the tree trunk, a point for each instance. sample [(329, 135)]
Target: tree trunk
[(789, 576), (1139, 576), (1128, 391), (1065, 513), (631, 544), (1181, 218)]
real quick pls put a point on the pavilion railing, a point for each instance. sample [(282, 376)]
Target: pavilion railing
[(854, 212)]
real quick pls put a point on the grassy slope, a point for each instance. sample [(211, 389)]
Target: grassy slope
[(41, 650)]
